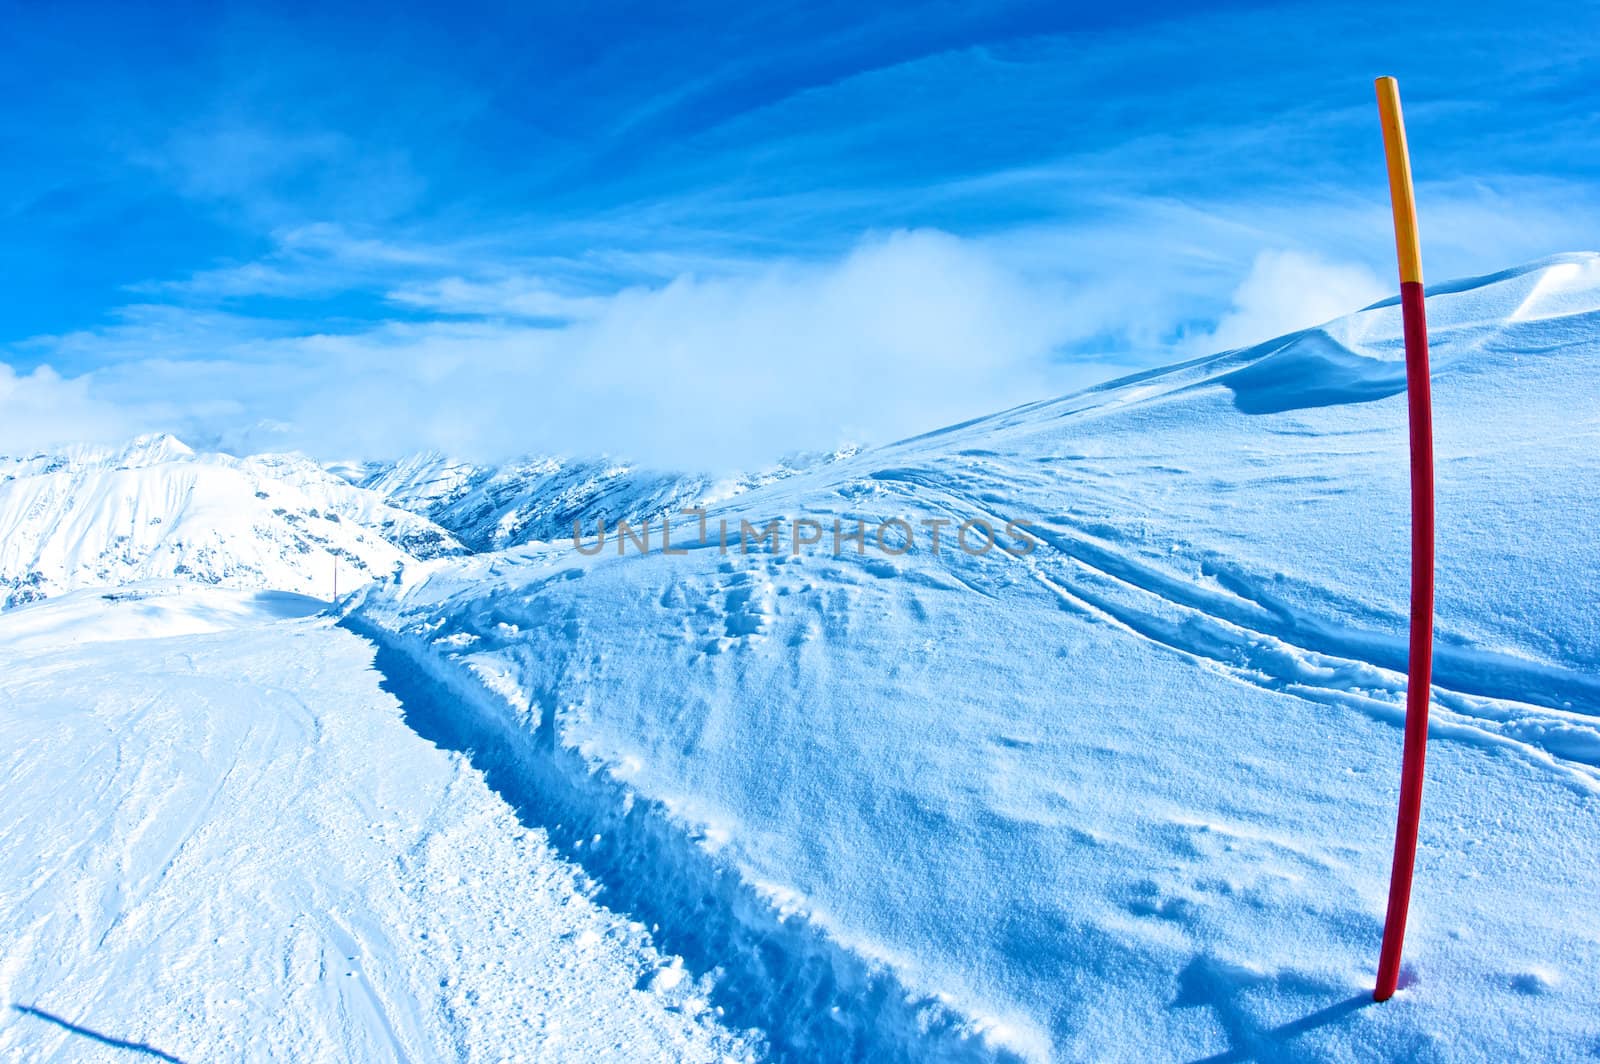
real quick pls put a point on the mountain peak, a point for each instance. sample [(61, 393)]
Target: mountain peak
[(153, 448)]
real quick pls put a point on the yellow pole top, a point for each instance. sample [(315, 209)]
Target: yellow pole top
[(1407, 245)]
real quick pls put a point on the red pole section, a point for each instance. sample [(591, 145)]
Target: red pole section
[(1420, 413)]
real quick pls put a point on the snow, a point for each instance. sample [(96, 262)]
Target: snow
[(88, 517), (1127, 797), (222, 842), (528, 500), (536, 498), (149, 610)]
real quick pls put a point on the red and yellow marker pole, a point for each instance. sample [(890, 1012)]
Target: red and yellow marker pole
[(1420, 410)]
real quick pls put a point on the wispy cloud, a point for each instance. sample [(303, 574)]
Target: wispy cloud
[(310, 260), (514, 296)]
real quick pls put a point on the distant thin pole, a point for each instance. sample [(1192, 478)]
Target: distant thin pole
[(335, 558), (1420, 415)]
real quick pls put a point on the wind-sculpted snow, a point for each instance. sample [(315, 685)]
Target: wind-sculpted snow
[(1314, 369), (1128, 795), (155, 509)]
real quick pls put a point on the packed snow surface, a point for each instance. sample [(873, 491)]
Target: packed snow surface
[(1128, 796), (219, 841)]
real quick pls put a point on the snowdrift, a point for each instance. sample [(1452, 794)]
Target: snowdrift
[(1127, 796)]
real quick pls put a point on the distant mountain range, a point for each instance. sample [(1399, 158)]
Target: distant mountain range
[(536, 499), (87, 516), (93, 516)]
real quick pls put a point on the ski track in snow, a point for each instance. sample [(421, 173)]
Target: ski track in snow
[(1556, 723), (227, 846)]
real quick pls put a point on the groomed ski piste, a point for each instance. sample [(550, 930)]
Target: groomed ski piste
[(1128, 796), (222, 843)]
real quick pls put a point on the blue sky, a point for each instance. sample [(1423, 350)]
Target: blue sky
[(708, 235)]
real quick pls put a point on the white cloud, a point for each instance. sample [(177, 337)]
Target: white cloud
[(42, 408), (905, 333), (1286, 291)]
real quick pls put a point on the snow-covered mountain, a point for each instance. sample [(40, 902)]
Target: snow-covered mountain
[(152, 508), (536, 499), (93, 516), (1126, 794)]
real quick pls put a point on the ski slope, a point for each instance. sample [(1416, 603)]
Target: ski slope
[(220, 841), (1129, 796)]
